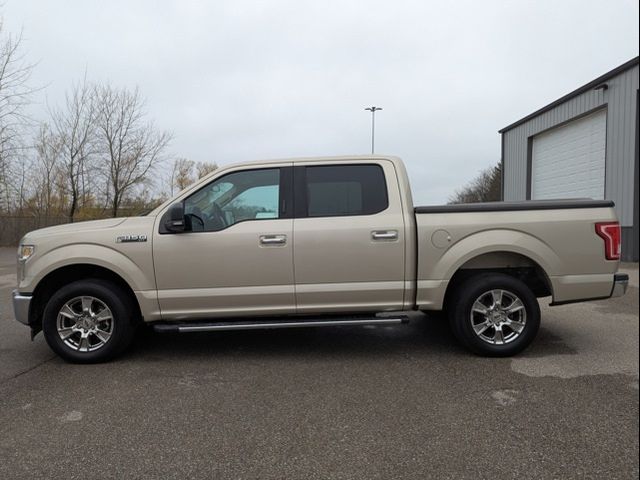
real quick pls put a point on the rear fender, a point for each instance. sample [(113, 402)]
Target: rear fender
[(432, 288), (489, 241)]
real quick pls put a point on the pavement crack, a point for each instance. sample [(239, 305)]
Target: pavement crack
[(19, 374)]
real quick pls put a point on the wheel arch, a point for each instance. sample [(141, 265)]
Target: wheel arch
[(61, 276), (516, 265)]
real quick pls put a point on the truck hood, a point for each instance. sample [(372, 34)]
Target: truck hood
[(70, 228)]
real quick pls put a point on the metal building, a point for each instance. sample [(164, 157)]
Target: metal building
[(584, 144)]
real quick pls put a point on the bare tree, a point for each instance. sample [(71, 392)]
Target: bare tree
[(48, 151), (20, 183), (74, 125), (14, 95), (6, 197), (205, 168), (130, 146), (182, 174), (486, 187)]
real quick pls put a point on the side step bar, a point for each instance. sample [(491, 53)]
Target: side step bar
[(257, 325)]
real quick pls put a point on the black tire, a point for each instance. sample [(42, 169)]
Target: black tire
[(463, 317), (122, 327)]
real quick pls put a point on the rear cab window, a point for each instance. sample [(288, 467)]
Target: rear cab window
[(345, 190)]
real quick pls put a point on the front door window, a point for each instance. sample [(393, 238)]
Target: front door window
[(236, 197)]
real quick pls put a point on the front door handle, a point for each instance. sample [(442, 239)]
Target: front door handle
[(384, 235), (273, 239)]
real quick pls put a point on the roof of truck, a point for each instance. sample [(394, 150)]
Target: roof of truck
[(326, 159), (338, 158)]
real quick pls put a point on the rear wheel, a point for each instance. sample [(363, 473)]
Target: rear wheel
[(88, 321), (494, 314)]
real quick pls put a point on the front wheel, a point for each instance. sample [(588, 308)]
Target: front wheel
[(494, 314), (88, 321)]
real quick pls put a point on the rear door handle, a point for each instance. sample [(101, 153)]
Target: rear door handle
[(384, 235), (273, 239)]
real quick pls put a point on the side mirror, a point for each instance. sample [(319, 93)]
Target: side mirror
[(175, 223)]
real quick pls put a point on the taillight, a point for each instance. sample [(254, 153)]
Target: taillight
[(610, 232)]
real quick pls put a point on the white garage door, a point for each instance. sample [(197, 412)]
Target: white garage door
[(569, 161)]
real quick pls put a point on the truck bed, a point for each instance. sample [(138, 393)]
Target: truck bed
[(556, 238)]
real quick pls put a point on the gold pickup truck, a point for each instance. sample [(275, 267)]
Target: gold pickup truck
[(314, 242)]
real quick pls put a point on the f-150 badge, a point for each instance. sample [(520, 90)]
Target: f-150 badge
[(131, 238)]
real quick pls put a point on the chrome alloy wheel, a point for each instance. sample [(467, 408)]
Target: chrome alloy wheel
[(85, 324), (498, 317)]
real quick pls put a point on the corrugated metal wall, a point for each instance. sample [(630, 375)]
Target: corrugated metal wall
[(620, 101), (629, 245)]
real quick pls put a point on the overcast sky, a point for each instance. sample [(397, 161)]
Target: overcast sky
[(237, 80)]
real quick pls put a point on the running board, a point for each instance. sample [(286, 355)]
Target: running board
[(257, 325)]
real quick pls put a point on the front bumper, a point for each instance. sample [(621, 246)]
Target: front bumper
[(21, 304), (620, 284)]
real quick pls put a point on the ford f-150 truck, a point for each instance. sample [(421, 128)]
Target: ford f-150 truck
[(314, 242)]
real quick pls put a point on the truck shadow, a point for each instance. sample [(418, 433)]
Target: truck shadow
[(547, 343), (423, 336), (420, 335)]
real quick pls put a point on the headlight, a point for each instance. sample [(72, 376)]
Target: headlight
[(25, 251)]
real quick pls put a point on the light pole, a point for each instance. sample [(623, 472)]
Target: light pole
[(373, 111)]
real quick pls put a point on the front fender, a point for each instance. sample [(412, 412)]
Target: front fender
[(136, 269)]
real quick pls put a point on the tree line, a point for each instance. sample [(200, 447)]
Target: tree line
[(96, 154), (485, 187)]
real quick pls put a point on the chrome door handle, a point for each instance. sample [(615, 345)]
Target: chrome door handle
[(384, 235), (273, 239)]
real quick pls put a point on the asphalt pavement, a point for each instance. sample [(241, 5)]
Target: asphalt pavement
[(401, 402)]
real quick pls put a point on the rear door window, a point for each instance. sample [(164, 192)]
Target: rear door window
[(342, 190)]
